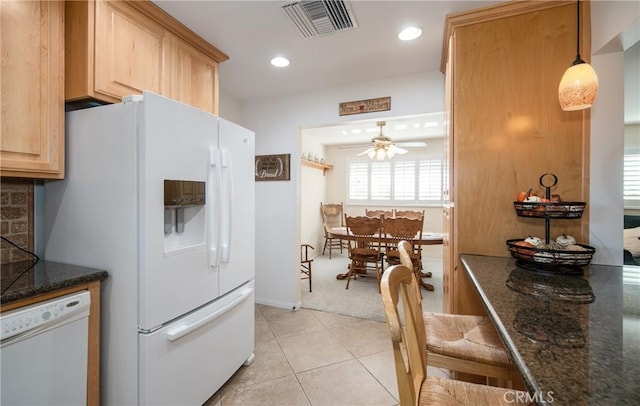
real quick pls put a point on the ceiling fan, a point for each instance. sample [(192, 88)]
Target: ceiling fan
[(383, 147)]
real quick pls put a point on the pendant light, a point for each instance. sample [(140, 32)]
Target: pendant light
[(579, 85)]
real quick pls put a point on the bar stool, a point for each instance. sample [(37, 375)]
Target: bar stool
[(462, 343)]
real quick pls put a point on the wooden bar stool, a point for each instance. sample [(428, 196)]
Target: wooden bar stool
[(409, 338), (462, 343)]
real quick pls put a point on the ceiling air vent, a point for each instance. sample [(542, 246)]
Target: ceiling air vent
[(315, 18)]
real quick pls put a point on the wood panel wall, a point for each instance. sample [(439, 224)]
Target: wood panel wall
[(508, 129)]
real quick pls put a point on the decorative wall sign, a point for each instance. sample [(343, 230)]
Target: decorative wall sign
[(365, 106), (273, 167)]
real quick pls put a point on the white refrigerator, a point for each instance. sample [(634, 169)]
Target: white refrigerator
[(161, 195)]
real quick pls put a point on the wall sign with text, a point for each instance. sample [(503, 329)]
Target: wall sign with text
[(365, 106), (273, 167)]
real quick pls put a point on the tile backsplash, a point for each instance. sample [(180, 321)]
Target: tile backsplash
[(16, 218)]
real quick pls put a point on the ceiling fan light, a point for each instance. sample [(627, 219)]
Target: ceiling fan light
[(391, 153), (578, 88), (371, 154)]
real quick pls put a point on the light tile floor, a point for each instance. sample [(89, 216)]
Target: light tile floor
[(309, 357)]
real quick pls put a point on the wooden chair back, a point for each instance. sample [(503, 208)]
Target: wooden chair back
[(365, 246), (404, 248), (403, 229), (367, 233), (378, 213), (399, 287), (331, 214), (412, 214)]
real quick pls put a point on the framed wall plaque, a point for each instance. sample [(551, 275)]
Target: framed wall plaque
[(273, 167)]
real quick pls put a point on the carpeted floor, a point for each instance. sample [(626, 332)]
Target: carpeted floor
[(362, 298)]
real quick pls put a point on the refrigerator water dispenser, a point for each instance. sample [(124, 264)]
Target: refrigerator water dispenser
[(183, 214)]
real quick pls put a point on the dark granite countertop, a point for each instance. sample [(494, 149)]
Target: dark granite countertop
[(574, 338), (44, 277)]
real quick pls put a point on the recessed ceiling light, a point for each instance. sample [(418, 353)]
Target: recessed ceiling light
[(280, 61), (410, 33)]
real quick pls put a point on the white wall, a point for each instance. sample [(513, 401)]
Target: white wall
[(607, 145), (313, 191), (277, 123), (230, 108), (609, 20), (632, 84)]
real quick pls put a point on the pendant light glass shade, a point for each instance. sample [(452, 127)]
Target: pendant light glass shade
[(579, 84), (578, 87)]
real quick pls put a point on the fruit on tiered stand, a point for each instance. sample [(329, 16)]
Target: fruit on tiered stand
[(561, 251)]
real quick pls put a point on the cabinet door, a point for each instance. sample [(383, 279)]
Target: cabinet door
[(449, 252), (195, 77), (130, 51), (32, 84)]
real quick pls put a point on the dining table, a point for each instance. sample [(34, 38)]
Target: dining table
[(426, 238)]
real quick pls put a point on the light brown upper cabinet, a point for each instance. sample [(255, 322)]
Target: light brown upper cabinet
[(195, 77), (503, 64), (119, 48), (32, 83)]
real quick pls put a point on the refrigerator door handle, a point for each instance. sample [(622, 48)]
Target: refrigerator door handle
[(227, 205), (215, 212), (183, 330)]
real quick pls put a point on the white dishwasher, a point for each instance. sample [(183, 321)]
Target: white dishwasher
[(43, 352)]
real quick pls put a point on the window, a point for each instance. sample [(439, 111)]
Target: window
[(631, 178), (409, 181)]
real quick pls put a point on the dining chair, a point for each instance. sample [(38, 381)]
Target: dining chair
[(378, 213), (416, 214), (462, 343), (412, 214), (365, 246), (331, 217), (400, 288), (305, 263), (398, 229)]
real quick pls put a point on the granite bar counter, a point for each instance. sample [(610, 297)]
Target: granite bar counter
[(575, 339), (20, 281)]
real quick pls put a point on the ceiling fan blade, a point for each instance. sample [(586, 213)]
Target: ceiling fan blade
[(360, 146), (412, 144), (366, 151), (398, 151)]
